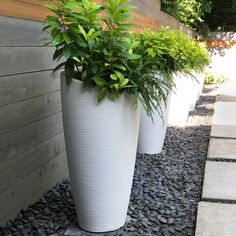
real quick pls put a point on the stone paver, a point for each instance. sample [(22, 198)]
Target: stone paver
[(225, 113), (222, 149), (220, 181), (216, 219), (224, 131), (225, 98), (228, 89), (219, 219), (224, 120)]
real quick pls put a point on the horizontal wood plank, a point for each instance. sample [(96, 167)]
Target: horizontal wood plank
[(32, 187), (20, 166), (15, 60), (23, 9), (16, 88), (20, 140), (19, 32), (146, 12), (22, 113)]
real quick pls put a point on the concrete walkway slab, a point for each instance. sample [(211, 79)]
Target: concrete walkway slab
[(220, 181), (222, 149), (225, 113), (224, 120), (224, 131), (225, 98), (216, 219), (228, 88)]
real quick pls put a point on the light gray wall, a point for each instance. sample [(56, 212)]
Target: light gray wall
[(32, 149)]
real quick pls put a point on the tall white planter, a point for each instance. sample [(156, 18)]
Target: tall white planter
[(201, 79), (101, 143), (180, 101), (194, 95), (152, 134), (197, 86)]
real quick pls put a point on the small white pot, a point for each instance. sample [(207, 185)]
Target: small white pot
[(152, 133), (101, 143), (180, 101)]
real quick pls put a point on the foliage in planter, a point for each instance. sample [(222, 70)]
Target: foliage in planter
[(171, 52), (95, 43)]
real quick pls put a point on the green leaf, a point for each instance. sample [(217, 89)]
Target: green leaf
[(120, 67), (124, 83), (84, 75), (113, 76), (102, 94), (99, 81), (52, 8), (119, 75), (67, 51), (57, 54), (83, 32), (57, 40), (59, 66), (114, 94), (69, 70), (53, 21), (66, 38), (94, 68), (91, 31)]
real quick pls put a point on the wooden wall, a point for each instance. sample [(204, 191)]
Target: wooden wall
[(146, 14), (32, 149)]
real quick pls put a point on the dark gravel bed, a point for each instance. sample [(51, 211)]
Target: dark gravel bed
[(165, 193)]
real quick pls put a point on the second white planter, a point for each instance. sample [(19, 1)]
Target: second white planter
[(101, 143), (180, 100), (152, 133)]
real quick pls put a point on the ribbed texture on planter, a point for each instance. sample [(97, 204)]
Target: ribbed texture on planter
[(152, 133), (101, 142)]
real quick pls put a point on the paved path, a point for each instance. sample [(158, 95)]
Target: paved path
[(217, 210)]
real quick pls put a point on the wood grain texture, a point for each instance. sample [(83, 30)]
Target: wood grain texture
[(22, 139), (20, 32), (15, 60), (33, 10), (30, 160), (23, 9), (29, 189), (22, 113), (16, 88)]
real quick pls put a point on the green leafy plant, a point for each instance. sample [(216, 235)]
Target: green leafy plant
[(214, 79), (96, 46), (171, 52), (95, 43)]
